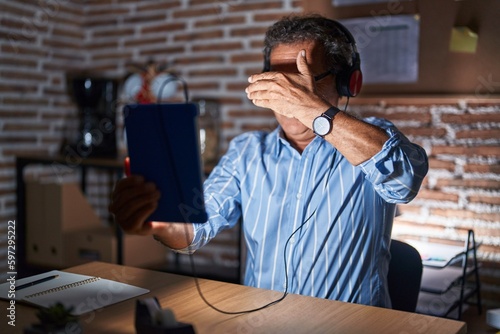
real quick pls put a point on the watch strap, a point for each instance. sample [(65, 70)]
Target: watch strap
[(331, 112)]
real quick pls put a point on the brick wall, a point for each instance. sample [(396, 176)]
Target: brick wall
[(214, 46), (461, 136)]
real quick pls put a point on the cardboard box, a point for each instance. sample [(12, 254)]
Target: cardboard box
[(100, 244), (52, 210)]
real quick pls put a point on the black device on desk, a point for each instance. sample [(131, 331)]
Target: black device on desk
[(164, 147)]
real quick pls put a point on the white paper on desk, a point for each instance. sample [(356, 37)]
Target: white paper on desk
[(388, 47), (83, 293)]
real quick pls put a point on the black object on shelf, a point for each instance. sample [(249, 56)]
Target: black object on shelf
[(96, 100)]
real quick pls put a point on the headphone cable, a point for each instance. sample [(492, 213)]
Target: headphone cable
[(346, 104), (276, 301)]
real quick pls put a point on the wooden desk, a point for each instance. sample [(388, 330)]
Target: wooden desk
[(295, 314)]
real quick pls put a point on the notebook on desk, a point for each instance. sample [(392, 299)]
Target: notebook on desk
[(81, 292)]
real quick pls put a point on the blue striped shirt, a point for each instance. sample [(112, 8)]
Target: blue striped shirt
[(342, 250)]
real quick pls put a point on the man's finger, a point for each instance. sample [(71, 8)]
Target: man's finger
[(262, 76), (261, 87), (302, 65), (128, 182), (261, 103)]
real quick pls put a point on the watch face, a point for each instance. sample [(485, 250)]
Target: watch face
[(321, 125)]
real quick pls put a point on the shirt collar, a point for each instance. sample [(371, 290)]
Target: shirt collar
[(281, 142)]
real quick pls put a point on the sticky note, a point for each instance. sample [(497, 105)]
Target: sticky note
[(463, 39)]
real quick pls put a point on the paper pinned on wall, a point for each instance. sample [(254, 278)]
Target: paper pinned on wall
[(354, 2), (388, 47)]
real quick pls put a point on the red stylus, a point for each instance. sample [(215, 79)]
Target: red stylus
[(126, 165)]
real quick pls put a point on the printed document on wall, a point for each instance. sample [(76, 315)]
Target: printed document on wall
[(354, 2), (388, 47)]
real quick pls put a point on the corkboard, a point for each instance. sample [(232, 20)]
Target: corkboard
[(440, 70)]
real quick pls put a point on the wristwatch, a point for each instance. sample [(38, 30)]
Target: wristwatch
[(322, 125)]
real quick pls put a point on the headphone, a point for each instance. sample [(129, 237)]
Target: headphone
[(349, 80)]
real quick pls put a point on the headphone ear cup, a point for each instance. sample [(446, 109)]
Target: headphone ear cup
[(267, 63), (266, 67), (349, 82), (355, 82), (342, 83)]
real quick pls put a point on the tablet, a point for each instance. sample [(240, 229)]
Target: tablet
[(164, 147)]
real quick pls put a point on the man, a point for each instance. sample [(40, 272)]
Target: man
[(317, 201)]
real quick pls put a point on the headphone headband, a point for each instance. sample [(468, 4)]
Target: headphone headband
[(349, 81), (349, 37)]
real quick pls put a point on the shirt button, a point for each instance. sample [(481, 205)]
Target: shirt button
[(292, 240), (299, 195)]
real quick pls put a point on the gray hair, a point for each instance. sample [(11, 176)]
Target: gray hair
[(300, 28)]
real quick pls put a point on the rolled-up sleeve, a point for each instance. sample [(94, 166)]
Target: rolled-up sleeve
[(222, 200), (200, 238), (397, 171)]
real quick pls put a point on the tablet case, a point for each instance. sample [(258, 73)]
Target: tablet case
[(164, 147)]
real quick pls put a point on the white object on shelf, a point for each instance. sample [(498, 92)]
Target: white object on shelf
[(436, 255), (493, 318)]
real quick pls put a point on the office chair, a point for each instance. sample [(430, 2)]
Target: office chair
[(404, 277)]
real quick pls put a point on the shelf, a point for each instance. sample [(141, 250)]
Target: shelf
[(441, 280), (59, 162), (446, 285), (442, 305)]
